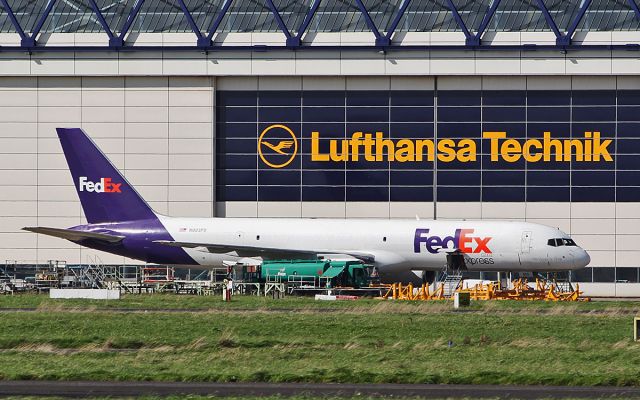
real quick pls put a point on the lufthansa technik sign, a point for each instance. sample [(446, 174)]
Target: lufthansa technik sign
[(278, 152)]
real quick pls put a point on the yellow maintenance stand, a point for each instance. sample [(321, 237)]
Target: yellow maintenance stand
[(544, 290)]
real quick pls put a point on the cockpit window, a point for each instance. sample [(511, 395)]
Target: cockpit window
[(561, 242)]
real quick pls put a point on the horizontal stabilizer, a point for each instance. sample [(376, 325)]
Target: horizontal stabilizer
[(264, 252), (73, 235)]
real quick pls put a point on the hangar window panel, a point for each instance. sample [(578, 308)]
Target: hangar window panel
[(503, 114), (548, 98), (513, 129), (424, 164), (279, 114), (504, 97), (367, 114), (327, 132), (459, 165), (548, 193), (548, 178), (501, 164), (458, 114), (418, 98), (237, 177), (627, 162), (236, 146), (594, 114), (628, 193), (411, 114), (629, 130), (237, 114), (280, 177), (459, 130), (368, 98), (279, 193), (400, 130), (627, 275), (307, 164), (279, 98), (594, 98), (411, 177), (323, 114), (552, 165), (595, 194), (593, 165), (459, 98), (558, 130), (236, 98), (628, 146), (503, 178), (236, 193), (551, 114), (457, 178), (323, 178), (368, 193), (236, 161), (500, 194), (414, 193), (582, 275), (368, 178), (362, 164), (604, 274), (628, 178), (323, 98), (606, 129), (237, 130), (593, 178), (324, 193), (459, 193), (628, 97), (628, 113), (368, 127)]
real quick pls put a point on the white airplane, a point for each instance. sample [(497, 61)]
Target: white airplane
[(121, 222)]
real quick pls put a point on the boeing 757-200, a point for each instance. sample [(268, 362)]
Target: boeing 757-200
[(119, 221)]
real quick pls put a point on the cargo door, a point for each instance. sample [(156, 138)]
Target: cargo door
[(525, 243)]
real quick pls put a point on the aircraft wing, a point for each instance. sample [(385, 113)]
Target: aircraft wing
[(74, 235), (265, 252)]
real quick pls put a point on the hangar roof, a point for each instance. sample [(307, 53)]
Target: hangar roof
[(384, 18)]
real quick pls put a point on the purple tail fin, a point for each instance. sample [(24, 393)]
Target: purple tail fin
[(105, 194)]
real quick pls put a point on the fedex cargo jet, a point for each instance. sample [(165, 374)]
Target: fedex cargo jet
[(121, 222)]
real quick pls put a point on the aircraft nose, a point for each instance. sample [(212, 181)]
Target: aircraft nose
[(581, 258)]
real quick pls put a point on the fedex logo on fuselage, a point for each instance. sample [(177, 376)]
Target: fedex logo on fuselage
[(103, 186), (463, 239)]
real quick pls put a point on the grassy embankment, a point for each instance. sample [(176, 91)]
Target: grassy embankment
[(307, 341)]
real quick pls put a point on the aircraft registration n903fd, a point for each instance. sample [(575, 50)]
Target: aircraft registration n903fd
[(122, 223)]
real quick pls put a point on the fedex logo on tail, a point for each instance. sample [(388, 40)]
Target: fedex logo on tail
[(105, 185), (463, 239)]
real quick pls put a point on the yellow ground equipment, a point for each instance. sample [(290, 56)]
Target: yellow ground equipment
[(520, 290)]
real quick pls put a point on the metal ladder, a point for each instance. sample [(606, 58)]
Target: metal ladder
[(451, 280)]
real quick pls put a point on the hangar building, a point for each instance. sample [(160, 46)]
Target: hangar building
[(178, 92)]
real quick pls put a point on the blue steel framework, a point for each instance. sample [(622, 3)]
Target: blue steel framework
[(383, 40)]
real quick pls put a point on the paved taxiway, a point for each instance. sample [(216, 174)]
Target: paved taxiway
[(128, 389)]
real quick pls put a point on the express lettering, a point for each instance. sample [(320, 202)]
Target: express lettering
[(463, 240), (105, 185)]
